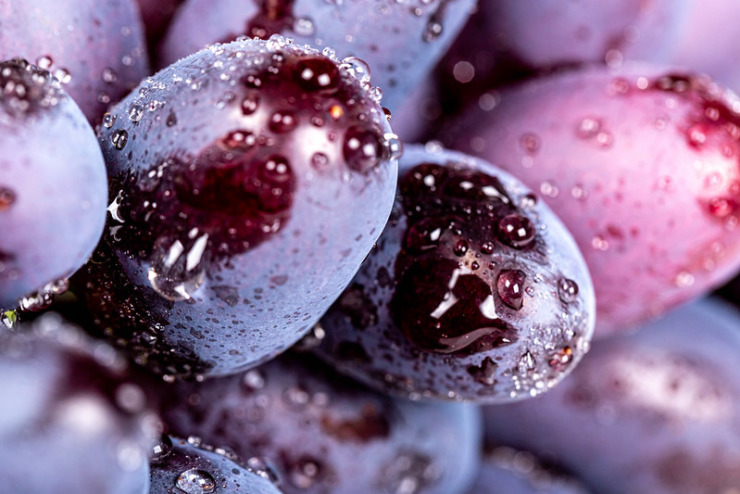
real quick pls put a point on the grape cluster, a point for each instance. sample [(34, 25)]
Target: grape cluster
[(369, 246)]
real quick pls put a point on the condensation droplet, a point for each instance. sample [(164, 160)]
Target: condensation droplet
[(119, 139), (567, 290), (195, 481)]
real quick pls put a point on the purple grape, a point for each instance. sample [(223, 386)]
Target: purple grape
[(400, 42), (326, 433), (509, 471), (186, 466), (475, 290), (95, 48), (654, 412), (661, 203), (708, 41), (237, 176), (77, 423), (53, 189)]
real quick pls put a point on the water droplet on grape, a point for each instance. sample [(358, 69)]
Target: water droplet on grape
[(195, 481), (119, 139), (567, 290)]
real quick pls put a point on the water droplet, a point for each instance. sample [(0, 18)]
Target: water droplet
[(320, 161), (63, 75), (303, 26), (316, 74), (44, 62), (357, 68), (530, 143), (135, 112), (561, 359), (432, 31), (684, 279), (588, 127), (282, 122), (109, 75), (195, 481), (393, 146), (253, 380), (567, 290), (171, 119), (41, 299), (7, 198), (264, 468), (527, 362), (176, 274), (516, 231), (305, 472), (362, 149), (510, 287), (119, 139), (239, 140), (161, 449), (460, 248), (108, 120)]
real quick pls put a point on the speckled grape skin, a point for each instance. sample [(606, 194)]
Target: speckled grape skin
[(363, 338), (653, 210), (99, 45), (651, 412), (77, 422), (396, 39), (326, 433), (180, 463), (53, 187), (254, 295), (508, 471)]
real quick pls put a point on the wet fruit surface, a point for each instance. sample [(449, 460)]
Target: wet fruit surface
[(660, 203), (233, 223), (655, 411), (96, 49), (77, 415), (53, 187), (399, 42), (189, 466), (326, 433), (471, 292)]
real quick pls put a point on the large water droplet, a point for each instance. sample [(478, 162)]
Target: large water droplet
[(510, 287), (119, 139), (362, 149), (196, 481), (516, 231)]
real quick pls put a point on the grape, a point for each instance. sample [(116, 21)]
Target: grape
[(235, 178), (399, 42), (655, 411), (187, 466), (653, 210), (95, 48), (326, 433), (475, 290), (53, 189), (77, 422)]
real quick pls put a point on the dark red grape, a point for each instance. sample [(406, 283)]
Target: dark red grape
[(237, 179), (475, 290)]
